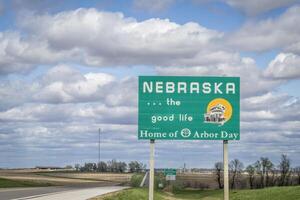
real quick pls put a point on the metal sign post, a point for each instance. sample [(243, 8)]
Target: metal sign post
[(151, 179), (225, 162)]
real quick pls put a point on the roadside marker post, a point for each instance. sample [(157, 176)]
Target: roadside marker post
[(225, 162), (189, 108), (151, 176)]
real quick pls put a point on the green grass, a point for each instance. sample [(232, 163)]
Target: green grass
[(133, 194), (274, 193), (199, 194), (7, 183)]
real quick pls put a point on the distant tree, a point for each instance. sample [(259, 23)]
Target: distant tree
[(297, 173), (102, 167), (274, 175), (285, 170), (89, 167), (269, 170), (69, 167), (77, 167), (143, 166), (121, 167), (264, 162), (111, 166), (218, 172), (115, 166), (236, 168), (135, 166), (258, 170), (263, 168), (251, 174)]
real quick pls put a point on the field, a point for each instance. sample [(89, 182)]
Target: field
[(110, 177), (7, 183), (198, 180), (275, 193), (46, 177)]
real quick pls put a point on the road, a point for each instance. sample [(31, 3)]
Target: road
[(146, 182), (56, 193)]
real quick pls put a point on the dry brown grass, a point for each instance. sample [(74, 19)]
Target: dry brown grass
[(198, 180), (112, 177), (65, 178)]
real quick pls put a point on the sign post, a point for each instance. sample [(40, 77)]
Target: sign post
[(189, 108), (225, 162), (151, 178)]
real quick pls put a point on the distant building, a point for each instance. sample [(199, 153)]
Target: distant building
[(215, 115)]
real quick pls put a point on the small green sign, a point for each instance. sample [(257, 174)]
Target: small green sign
[(169, 172), (189, 108)]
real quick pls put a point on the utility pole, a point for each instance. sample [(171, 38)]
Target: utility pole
[(99, 147)]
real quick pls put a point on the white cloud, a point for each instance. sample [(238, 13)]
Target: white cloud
[(33, 112), (267, 34), (20, 55), (265, 101), (271, 107), (284, 66), (293, 48), (254, 7), (112, 39), (244, 68), (62, 84), (62, 73)]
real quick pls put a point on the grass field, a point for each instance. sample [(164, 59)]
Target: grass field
[(205, 180), (112, 177), (131, 194), (275, 193), (64, 178), (6, 183)]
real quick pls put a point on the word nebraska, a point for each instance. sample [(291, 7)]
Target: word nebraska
[(191, 87)]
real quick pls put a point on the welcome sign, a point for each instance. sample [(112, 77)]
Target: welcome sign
[(189, 108)]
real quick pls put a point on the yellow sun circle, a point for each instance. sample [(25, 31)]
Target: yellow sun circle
[(223, 102)]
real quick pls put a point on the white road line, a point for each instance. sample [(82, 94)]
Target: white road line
[(144, 179)]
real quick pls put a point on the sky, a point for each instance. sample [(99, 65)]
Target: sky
[(68, 68)]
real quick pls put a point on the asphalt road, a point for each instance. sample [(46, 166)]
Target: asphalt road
[(56, 193)]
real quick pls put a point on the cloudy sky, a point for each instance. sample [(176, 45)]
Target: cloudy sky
[(68, 68)]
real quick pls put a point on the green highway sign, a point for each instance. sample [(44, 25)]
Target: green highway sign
[(189, 108), (170, 172)]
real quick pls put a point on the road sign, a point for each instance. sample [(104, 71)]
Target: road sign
[(170, 174), (189, 108)]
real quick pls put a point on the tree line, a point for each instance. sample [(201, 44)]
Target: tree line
[(263, 173), (111, 166)]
